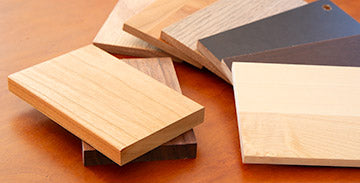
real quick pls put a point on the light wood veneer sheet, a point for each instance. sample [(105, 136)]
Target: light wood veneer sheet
[(113, 39), (298, 114)]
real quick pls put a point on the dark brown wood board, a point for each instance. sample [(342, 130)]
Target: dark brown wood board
[(335, 52), (318, 21), (182, 147)]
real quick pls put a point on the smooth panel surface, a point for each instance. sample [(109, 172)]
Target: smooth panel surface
[(336, 52), (35, 149), (310, 23), (113, 39), (298, 114), (181, 147), (148, 24), (115, 108), (218, 17)]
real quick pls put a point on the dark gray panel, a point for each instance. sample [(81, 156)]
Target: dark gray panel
[(337, 52), (306, 24)]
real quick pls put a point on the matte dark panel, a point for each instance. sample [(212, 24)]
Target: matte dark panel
[(336, 52), (309, 23)]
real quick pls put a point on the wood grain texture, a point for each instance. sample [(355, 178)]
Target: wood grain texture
[(113, 39), (115, 108), (306, 24), (147, 24), (298, 114), (218, 17), (182, 147), (35, 149)]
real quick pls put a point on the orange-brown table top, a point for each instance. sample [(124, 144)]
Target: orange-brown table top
[(35, 149)]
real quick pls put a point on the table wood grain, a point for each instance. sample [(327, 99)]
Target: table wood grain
[(35, 149)]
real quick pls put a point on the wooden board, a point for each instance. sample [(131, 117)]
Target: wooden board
[(336, 52), (298, 114), (120, 111), (181, 147), (36, 150), (113, 39), (306, 24), (148, 24), (218, 17)]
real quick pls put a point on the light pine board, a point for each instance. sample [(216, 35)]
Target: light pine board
[(148, 23), (113, 39), (218, 17), (298, 114), (182, 147), (117, 109)]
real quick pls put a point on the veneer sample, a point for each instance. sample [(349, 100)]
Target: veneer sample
[(148, 23), (182, 147), (117, 109), (336, 52), (113, 39), (218, 17), (318, 21), (298, 114)]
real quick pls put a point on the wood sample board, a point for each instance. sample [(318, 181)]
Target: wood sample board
[(117, 109), (113, 39), (298, 114), (148, 23), (182, 147), (218, 17), (335, 52), (318, 21)]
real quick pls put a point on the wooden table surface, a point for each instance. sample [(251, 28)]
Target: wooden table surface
[(35, 149)]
